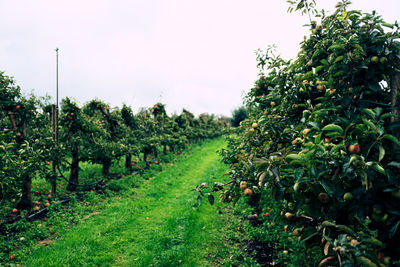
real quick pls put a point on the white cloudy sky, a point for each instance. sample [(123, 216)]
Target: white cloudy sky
[(189, 54)]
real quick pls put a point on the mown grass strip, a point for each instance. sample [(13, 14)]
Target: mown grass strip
[(158, 225)]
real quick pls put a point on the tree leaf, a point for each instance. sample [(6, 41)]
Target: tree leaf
[(333, 127), (381, 152), (211, 199), (391, 138)]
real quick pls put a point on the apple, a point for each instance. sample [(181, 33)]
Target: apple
[(348, 196), (383, 60), (309, 63), (37, 193), (15, 210), (320, 87), (49, 196), (272, 103), (285, 227), (254, 125), (354, 149), (248, 192), (295, 232), (12, 256), (17, 107), (285, 252), (375, 59), (327, 140), (37, 203), (72, 114), (243, 185), (289, 215), (36, 208), (323, 198), (306, 131), (48, 162), (47, 204), (156, 162)]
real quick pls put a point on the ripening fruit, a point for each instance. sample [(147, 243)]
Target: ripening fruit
[(348, 196), (306, 131), (254, 125), (354, 149), (295, 232), (248, 192), (374, 59), (15, 210), (327, 140), (12, 256), (309, 63), (272, 103), (36, 208), (320, 87), (243, 185), (48, 162), (323, 198), (37, 203), (289, 215)]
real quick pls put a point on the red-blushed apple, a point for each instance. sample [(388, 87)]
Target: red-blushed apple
[(354, 149), (248, 192)]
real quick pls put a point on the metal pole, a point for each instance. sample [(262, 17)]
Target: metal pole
[(56, 94), (57, 77)]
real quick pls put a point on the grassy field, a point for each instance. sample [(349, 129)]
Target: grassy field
[(157, 224)]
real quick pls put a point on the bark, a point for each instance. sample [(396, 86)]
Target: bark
[(26, 198), (74, 177), (106, 167), (395, 86), (128, 162)]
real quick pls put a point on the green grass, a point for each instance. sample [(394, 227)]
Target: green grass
[(157, 224)]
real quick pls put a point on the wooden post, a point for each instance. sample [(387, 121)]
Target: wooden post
[(395, 86), (55, 137)]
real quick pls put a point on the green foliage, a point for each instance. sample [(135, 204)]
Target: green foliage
[(320, 138), (239, 114)]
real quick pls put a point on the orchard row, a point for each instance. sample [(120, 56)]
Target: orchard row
[(321, 142), (31, 144)]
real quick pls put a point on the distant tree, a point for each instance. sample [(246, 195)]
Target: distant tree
[(238, 115)]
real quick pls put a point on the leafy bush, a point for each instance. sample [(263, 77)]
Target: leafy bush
[(321, 137)]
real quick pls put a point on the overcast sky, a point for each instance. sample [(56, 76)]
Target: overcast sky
[(189, 54)]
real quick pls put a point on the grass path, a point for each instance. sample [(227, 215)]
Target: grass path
[(159, 224)]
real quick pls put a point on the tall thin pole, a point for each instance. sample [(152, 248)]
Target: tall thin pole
[(55, 130), (57, 77), (57, 94)]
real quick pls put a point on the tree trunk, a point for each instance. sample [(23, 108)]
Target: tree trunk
[(395, 86), (106, 167), (128, 162), (26, 198), (74, 177)]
